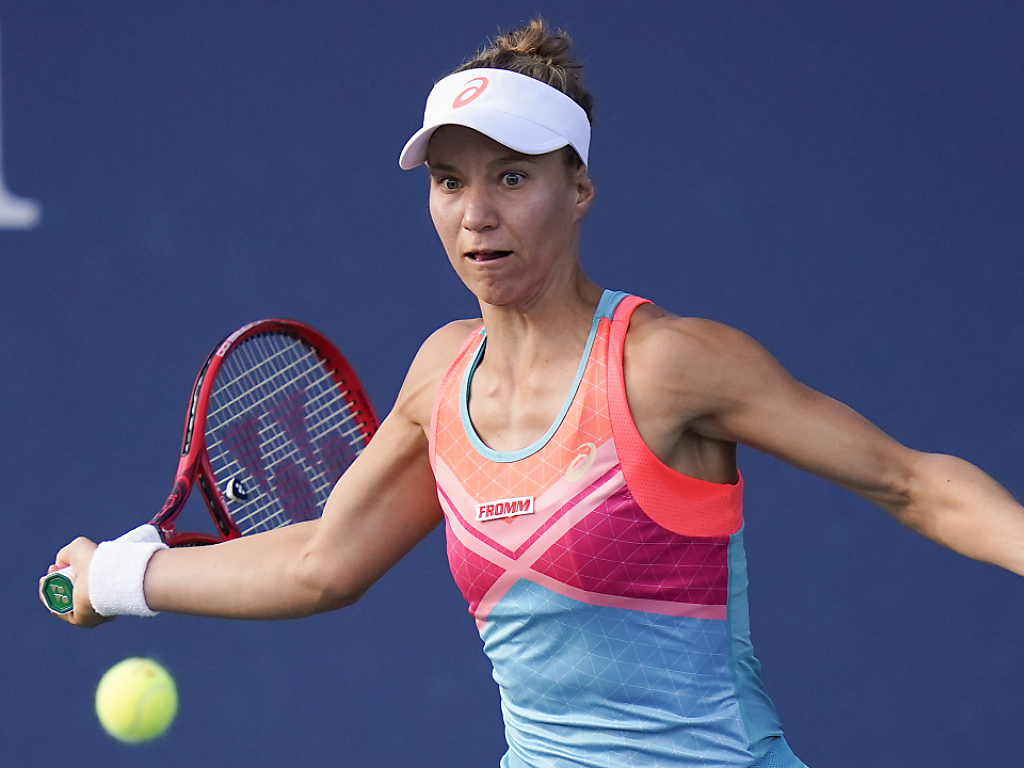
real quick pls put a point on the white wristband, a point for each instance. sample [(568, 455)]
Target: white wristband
[(118, 570)]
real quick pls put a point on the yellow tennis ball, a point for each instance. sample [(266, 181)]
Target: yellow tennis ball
[(136, 700)]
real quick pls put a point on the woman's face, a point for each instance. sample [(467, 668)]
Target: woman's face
[(509, 222)]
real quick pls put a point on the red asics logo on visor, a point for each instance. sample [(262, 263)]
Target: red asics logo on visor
[(473, 89)]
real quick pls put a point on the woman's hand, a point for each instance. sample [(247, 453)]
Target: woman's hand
[(77, 555)]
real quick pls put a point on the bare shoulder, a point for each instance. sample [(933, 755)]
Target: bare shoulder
[(432, 361), (441, 347), (683, 369), (667, 344)]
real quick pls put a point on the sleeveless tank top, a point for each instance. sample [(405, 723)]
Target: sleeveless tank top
[(608, 589)]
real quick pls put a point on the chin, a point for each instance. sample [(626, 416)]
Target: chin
[(497, 296)]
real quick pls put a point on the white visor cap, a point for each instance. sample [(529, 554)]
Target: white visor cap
[(515, 110)]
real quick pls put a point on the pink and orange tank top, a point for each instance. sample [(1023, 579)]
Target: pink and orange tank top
[(609, 590)]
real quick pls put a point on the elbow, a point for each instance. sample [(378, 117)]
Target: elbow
[(910, 515), (330, 598), (913, 499), (324, 586), (899, 494)]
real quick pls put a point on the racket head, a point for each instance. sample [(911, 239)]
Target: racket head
[(276, 416)]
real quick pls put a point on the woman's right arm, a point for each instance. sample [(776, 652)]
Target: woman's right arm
[(379, 510)]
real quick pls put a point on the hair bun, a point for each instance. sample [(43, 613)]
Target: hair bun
[(541, 53), (537, 40)]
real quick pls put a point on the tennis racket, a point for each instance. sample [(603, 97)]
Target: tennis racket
[(276, 416)]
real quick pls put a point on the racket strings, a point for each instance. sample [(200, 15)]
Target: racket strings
[(324, 408), (294, 487), (279, 422), (290, 448), (269, 511), (281, 374)]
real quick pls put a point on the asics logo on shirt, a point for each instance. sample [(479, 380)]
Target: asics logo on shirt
[(579, 465)]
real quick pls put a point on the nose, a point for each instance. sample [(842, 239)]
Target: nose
[(480, 211)]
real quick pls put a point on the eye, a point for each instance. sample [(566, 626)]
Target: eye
[(512, 179), (448, 183)]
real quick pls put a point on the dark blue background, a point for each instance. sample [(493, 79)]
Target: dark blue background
[(844, 181)]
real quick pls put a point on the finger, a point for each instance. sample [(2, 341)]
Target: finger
[(65, 553)]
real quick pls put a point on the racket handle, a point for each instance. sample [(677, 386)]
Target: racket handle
[(57, 590)]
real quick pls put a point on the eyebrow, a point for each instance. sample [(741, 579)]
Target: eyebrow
[(515, 157), (510, 158)]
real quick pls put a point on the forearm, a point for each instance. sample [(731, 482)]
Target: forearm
[(379, 510), (957, 505), (265, 576)]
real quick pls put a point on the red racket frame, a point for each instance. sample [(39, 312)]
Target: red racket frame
[(194, 464)]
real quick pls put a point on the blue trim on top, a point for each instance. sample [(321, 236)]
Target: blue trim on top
[(760, 721), (605, 309)]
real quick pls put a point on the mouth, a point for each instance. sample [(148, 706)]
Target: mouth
[(487, 255)]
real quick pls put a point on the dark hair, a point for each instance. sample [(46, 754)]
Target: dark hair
[(543, 54)]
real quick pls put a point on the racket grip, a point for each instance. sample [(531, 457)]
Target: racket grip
[(57, 590)]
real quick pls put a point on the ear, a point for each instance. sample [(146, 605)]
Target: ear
[(584, 191)]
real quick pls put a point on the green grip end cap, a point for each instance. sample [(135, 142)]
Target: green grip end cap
[(57, 591)]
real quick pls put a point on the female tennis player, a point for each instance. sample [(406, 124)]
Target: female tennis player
[(580, 445)]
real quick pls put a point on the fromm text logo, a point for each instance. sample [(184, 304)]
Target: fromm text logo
[(496, 510)]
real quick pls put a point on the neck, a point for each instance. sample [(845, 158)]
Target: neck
[(549, 328)]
